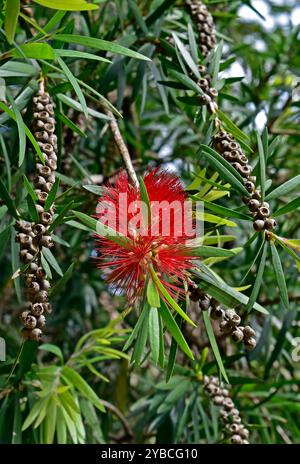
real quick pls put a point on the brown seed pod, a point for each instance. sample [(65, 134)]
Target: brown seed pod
[(36, 334), (37, 309), (30, 322), (270, 224), (236, 439), (237, 335), (41, 322), (41, 296), (248, 332), (258, 225), (253, 205), (250, 343)]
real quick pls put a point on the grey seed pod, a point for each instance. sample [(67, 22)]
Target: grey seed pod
[(48, 148), (236, 439), (23, 226), (245, 170), (249, 186), (202, 82), (237, 335), (30, 322), (225, 327), (258, 225), (48, 308), (211, 389), (37, 309), (40, 273), (41, 296), (237, 166), (250, 343), (49, 108), (246, 200), (46, 241), (46, 218), (217, 313), (23, 316), (43, 135), (51, 178), (33, 267), (205, 380), (39, 181), (39, 229), (270, 224), (236, 419), (263, 212), (45, 284), (42, 197), (256, 195), (253, 205), (39, 208), (47, 187), (235, 412), (224, 392), (41, 322), (228, 403), (49, 127), (25, 256), (249, 332), (243, 159), (45, 171), (33, 287), (36, 334), (218, 400), (51, 163), (204, 304), (229, 314), (245, 442), (234, 428), (244, 433)]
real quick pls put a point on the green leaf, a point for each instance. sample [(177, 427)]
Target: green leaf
[(81, 55), (227, 212), (168, 297), (8, 201), (218, 289), (225, 170), (29, 188), (231, 127), (21, 131), (146, 201), (27, 132), (291, 206), (279, 274), (213, 344), (51, 195), (154, 335), (284, 189), (46, 266), (173, 352), (12, 11), (34, 51), (186, 81), (141, 341), (262, 166), (174, 329), (67, 5), (186, 56), (215, 64), (74, 83), (59, 219), (138, 16), (76, 381), (32, 210), (152, 294), (193, 43), (136, 329), (96, 189), (210, 251), (67, 122), (101, 229), (57, 288), (52, 349), (258, 279), (280, 340), (99, 44), (52, 261)]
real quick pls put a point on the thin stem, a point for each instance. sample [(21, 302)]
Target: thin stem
[(122, 147)]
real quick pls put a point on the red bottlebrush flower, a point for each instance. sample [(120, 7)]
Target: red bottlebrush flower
[(161, 243)]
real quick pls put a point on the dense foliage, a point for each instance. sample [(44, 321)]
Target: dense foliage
[(135, 84)]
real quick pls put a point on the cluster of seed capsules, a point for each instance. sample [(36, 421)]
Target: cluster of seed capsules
[(229, 320), (205, 25), (227, 146), (33, 236), (229, 414)]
